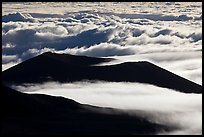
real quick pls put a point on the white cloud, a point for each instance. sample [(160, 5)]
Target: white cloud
[(182, 62), (132, 31), (159, 105), (101, 50), (193, 9), (23, 17), (9, 65), (9, 58), (104, 37)]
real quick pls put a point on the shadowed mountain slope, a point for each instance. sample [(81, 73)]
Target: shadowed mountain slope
[(70, 68), (37, 114)]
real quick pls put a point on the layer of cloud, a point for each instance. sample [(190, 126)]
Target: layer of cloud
[(86, 31), (101, 50), (180, 110), (166, 34), (18, 17), (167, 44), (166, 8), (187, 64)]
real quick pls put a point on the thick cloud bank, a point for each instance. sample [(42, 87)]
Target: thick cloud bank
[(101, 30), (161, 105)]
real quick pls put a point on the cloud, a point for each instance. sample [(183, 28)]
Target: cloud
[(156, 17), (184, 62), (60, 33), (163, 32), (7, 59), (178, 109), (196, 36), (23, 17), (128, 32), (191, 9), (50, 36), (101, 50), (105, 36), (9, 65)]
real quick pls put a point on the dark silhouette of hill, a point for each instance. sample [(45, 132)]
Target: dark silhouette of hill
[(37, 114), (69, 68)]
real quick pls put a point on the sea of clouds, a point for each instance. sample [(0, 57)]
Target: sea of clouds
[(166, 34)]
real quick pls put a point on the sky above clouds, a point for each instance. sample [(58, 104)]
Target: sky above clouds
[(168, 34)]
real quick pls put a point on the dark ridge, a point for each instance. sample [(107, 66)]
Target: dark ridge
[(70, 68), (36, 114), (76, 60)]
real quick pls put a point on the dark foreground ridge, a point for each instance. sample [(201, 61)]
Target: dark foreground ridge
[(37, 114), (69, 68)]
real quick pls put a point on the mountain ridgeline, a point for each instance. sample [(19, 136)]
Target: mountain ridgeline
[(38, 114), (69, 68)]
